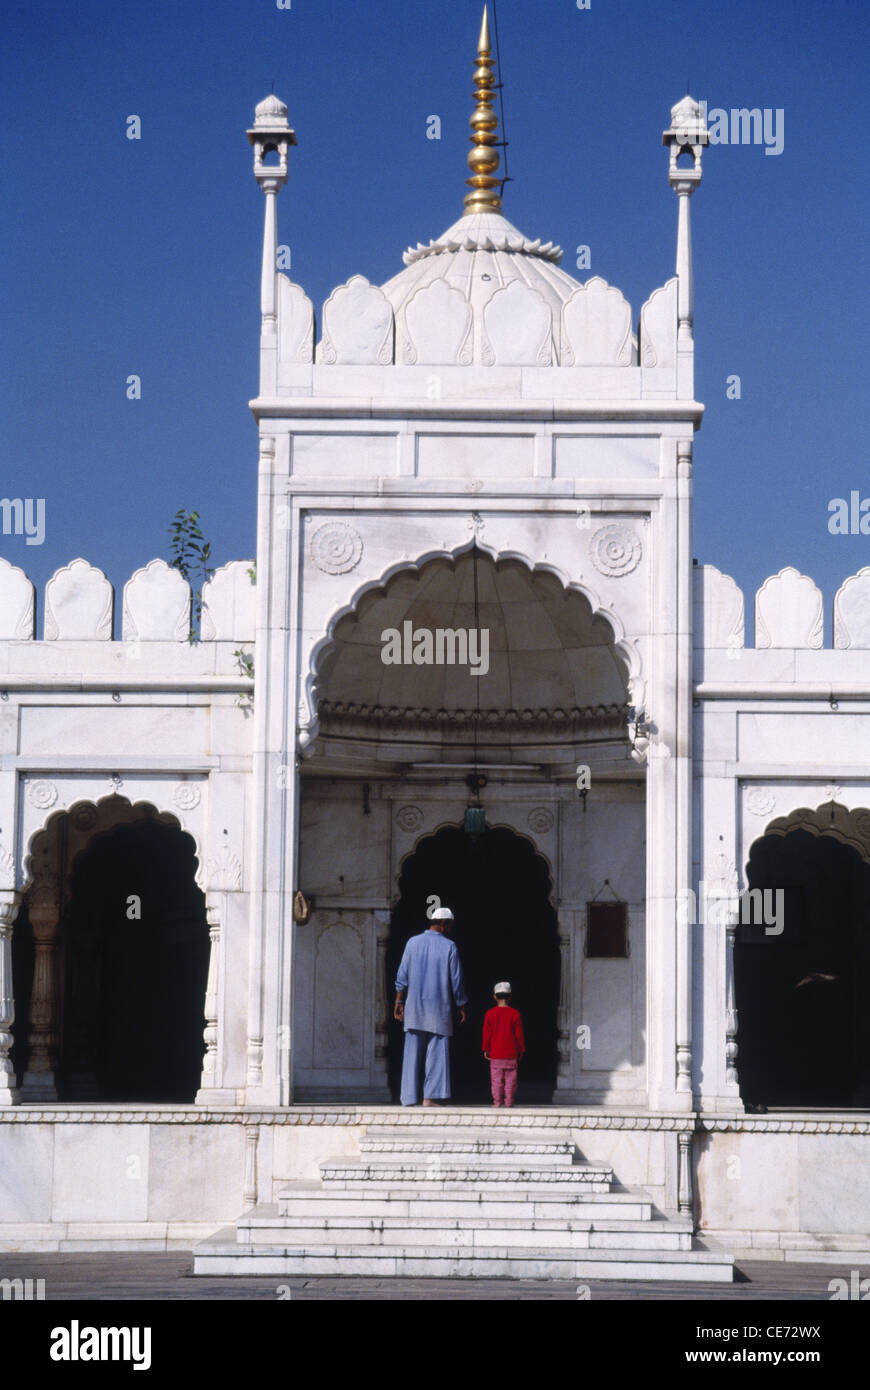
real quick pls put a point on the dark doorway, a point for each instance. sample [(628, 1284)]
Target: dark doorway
[(498, 888), (803, 1034), (134, 986)]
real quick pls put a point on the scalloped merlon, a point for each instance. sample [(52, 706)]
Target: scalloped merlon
[(229, 604), (438, 325), (788, 611), (517, 327), (78, 604), (17, 604), (852, 611), (720, 610), (596, 326), (295, 322), (156, 604), (357, 325), (658, 327)]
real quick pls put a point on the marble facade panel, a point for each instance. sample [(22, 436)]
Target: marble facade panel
[(344, 853), (207, 1167), (834, 1183), (101, 1173), (103, 730), (475, 455), (299, 1150), (803, 739), (606, 456), (747, 1181), (343, 455), (25, 1173)]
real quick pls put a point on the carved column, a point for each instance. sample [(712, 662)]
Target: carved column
[(10, 901), (730, 1009), (44, 1035), (684, 1172), (209, 1079), (563, 1015), (382, 931), (252, 1140)]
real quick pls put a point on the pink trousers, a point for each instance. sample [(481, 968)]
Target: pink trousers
[(503, 1080)]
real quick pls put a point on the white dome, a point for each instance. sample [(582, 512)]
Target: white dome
[(272, 110), (479, 255)]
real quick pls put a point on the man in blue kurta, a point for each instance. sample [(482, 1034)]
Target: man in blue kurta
[(428, 985)]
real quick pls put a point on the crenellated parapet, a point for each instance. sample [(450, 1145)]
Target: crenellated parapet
[(796, 644), (436, 323), (155, 608)]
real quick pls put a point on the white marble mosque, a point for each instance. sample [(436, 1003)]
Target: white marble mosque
[(207, 875)]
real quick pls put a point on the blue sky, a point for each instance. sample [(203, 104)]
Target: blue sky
[(143, 256)]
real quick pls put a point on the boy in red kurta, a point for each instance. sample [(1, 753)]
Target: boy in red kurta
[(503, 1045)]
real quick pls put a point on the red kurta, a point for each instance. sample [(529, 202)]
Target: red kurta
[(503, 1034)]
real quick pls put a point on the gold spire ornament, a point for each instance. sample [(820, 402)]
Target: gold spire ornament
[(483, 159)]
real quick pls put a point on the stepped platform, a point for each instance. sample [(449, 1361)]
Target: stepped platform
[(457, 1202)]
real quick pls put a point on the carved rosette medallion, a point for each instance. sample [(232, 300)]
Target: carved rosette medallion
[(336, 547), (42, 794), (186, 795), (760, 801), (615, 550), (540, 820), (409, 818)]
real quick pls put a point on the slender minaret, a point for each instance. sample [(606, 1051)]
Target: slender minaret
[(483, 159), (687, 136), (270, 134)]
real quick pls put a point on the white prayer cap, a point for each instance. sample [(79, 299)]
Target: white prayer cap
[(442, 914), (503, 987)]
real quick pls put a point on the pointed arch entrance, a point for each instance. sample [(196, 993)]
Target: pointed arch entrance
[(505, 928), (801, 993), (115, 1011)]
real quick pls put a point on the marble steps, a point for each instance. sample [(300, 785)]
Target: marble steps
[(477, 1230), (407, 1146), (458, 1203), (389, 1173), (222, 1254), (452, 1202)]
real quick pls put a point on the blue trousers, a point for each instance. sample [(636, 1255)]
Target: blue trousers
[(429, 1050)]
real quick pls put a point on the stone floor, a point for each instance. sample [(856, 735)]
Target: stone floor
[(167, 1277)]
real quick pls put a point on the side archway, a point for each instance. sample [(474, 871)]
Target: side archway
[(803, 1032), (111, 957)]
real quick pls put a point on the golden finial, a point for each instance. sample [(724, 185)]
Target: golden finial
[(483, 159)]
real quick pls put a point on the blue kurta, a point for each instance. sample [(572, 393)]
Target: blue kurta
[(432, 975)]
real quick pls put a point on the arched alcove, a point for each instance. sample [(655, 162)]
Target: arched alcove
[(546, 650), (803, 1036), (116, 1013), (136, 950), (505, 928)]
